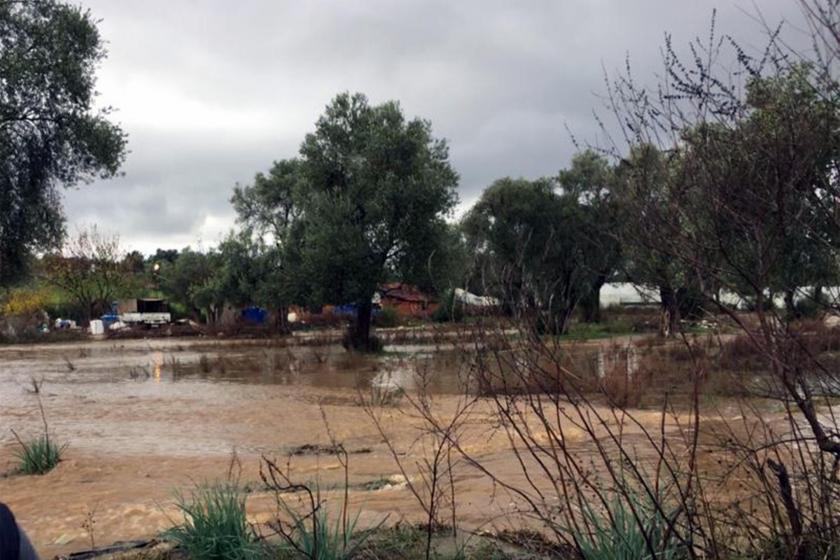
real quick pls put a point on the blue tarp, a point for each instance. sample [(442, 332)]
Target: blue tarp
[(350, 309), (109, 319), (254, 315)]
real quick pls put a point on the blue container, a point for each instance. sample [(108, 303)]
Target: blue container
[(254, 315), (109, 319)]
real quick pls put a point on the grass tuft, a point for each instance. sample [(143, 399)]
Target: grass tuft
[(323, 540), (215, 526), (38, 456), (622, 537)]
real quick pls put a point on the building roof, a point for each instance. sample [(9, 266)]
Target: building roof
[(402, 292)]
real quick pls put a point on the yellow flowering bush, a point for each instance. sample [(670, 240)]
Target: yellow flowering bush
[(24, 302)]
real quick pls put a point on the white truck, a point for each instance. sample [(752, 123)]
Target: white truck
[(151, 312)]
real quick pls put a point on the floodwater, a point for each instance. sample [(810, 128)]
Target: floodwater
[(145, 418)]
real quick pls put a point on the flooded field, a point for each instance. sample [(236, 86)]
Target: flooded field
[(145, 418)]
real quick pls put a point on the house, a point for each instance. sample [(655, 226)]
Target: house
[(406, 299)]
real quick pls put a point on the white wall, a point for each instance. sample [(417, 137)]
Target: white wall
[(624, 293)]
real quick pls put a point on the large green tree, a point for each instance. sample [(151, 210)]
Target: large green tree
[(269, 209), (748, 204), (251, 272), (766, 188), (50, 133), (590, 180), (647, 183), (378, 187), (191, 283), (269, 206), (538, 247)]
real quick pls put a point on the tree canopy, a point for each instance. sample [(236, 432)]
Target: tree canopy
[(540, 246), (50, 133), (91, 269), (590, 179), (365, 202)]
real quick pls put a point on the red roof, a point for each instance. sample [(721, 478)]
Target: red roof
[(402, 292)]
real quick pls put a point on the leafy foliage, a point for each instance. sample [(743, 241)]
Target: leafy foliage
[(379, 187), (766, 187), (188, 282), (363, 203), (269, 206), (24, 301), (449, 310), (90, 270), (49, 132), (590, 179), (540, 246)]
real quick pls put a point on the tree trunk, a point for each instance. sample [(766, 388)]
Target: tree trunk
[(790, 304), (358, 336), (281, 320), (87, 313), (591, 304), (563, 320), (553, 321), (670, 318), (213, 316)]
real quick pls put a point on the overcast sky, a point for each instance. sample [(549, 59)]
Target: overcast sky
[(210, 92)]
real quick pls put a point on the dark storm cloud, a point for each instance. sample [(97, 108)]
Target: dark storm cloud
[(212, 92)]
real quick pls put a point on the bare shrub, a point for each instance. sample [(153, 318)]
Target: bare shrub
[(303, 523), (729, 182), (430, 473), (593, 471), (622, 387)]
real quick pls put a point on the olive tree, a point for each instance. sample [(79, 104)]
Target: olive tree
[(744, 199), (590, 179), (376, 189), (540, 245), (189, 282), (50, 134), (644, 187), (269, 209)]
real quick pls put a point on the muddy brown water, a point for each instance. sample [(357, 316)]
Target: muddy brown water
[(144, 418)]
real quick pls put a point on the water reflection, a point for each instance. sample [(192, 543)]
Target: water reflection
[(615, 359), (433, 368), (157, 365), (402, 377)]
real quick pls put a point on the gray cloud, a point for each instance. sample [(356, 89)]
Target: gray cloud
[(213, 91)]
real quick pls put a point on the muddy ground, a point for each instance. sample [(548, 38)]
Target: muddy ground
[(144, 419)]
